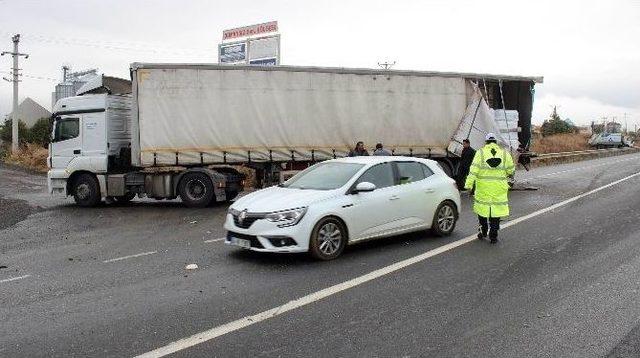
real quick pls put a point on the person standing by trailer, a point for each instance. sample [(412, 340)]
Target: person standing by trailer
[(466, 157), (359, 151), (488, 178), (380, 151)]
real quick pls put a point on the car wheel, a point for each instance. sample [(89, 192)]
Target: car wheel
[(328, 239), (196, 190), (86, 190), (445, 218)]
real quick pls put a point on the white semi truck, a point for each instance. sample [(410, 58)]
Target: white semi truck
[(181, 127)]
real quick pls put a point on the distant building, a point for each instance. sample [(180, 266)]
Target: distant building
[(71, 83), (29, 111)]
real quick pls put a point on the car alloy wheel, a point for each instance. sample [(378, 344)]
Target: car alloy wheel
[(445, 218), (328, 239)]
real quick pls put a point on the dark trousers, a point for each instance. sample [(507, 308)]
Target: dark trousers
[(492, 225), (461, 178)]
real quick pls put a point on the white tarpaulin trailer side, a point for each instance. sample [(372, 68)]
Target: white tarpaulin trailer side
[(190, 114)]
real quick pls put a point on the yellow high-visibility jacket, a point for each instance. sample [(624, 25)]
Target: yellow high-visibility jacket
[(489, 171)]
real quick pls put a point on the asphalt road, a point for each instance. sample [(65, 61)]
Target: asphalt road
[(111, 281)]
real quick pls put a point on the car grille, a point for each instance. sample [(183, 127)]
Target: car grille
[(248, 220), (253, 239)]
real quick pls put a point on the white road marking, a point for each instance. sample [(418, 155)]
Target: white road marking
[(14, 278), (579, 168), (130, 256), (214, 240), (329, 291)]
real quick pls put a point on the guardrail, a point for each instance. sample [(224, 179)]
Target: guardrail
[(567, 157)]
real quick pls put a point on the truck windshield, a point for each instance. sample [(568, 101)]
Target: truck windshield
[(324, 176)]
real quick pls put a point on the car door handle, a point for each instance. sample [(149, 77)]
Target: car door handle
[(77, 151), (429, 191), (394, 197)]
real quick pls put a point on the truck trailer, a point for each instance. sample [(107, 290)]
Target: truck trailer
[(182, 129)]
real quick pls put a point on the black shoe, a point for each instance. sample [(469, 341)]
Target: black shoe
[(494, 240), (481, 237)]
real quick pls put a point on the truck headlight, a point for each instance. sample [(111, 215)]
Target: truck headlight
[(288, 217)]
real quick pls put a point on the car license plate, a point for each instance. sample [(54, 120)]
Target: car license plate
[(240, 242)]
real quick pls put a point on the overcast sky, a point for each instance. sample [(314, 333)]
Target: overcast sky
[(587, 51)]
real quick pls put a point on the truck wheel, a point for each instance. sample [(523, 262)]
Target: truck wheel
[(86, 190), (446, 168), (196, 190), (231, 194)]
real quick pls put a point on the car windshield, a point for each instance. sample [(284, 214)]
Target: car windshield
[(324, 176)]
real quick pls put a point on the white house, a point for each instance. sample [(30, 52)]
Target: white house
[(29, 111)]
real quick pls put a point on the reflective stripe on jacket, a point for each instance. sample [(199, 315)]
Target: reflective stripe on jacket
[(489, 171)]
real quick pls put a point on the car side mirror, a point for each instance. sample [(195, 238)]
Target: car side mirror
[(365, 186)]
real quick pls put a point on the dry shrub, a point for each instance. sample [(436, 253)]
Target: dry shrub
[(566, 142), (250, 175), (30, 156)]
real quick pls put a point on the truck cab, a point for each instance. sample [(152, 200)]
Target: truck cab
[(90, 159), (87, 132)]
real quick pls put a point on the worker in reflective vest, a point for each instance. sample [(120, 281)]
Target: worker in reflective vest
[(488, 180)]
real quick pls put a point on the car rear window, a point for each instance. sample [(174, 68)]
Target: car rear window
[(410, 172)]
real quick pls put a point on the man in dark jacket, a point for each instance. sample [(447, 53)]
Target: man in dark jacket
[(466, 157), (359, 150)]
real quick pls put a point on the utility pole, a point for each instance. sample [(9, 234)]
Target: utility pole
[(16, 79)]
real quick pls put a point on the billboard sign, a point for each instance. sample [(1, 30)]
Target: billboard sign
[(265, 47), (264, 62), (252, 30), (232, 52)]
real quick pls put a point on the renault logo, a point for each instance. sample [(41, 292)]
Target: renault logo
[(242, 216)]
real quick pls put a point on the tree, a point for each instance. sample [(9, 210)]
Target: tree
[(5, 131), (40, 133), (555, 125)]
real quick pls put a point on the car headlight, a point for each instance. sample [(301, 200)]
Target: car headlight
[(233, 212), (286, 217)]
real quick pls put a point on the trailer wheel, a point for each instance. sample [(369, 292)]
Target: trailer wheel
[(124, 199), (196, 190), (86, 190)]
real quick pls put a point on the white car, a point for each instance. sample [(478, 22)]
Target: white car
[(343, 201)]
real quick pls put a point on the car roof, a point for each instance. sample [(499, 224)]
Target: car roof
[(379, 159)]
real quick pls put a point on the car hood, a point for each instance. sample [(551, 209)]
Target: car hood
[(277, 198)]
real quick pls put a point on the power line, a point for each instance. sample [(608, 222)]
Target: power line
[(122, 46), (32, 76)]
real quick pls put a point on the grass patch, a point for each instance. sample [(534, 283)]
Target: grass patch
[(30, 156), (565, 142)]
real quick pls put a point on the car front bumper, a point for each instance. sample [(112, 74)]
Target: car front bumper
[(266, 236)]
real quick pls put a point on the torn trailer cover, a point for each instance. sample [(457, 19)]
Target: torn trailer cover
[(190, 114)]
